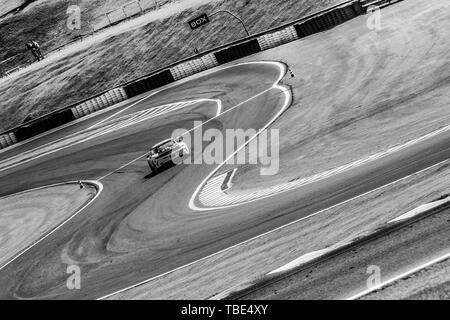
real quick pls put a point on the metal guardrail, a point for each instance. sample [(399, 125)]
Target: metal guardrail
[(196, 56)]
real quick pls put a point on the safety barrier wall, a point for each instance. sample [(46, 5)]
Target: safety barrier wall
[(313, 24), (237, 51), (189, 68), (329, 20), (278, 38), (7, 139), (105, 100), (48, 123), (143, 85)]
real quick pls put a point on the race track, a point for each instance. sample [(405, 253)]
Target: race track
[(140, 225), (137, 218)]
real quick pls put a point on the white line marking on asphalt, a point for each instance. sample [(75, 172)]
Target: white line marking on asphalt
[(49, 132), (269, 232), (399, 277), (420, 210), (219, 110), (219, 114), (215, 201), (97, 184), (230, 180), (108, 128), (252, 239), (174, 84), (299, 261), (288, 99), (177, 83), (316, 254)]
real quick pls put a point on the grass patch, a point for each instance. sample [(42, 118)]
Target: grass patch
[(46, 22)]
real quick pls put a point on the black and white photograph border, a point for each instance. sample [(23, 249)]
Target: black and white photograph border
[(222, 150)]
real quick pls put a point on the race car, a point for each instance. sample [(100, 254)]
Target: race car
[(167, 153)]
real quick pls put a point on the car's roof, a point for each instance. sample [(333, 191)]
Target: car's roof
[(161, 143)]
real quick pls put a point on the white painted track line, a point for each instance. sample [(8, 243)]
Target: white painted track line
[(106, 129), (287, 102), (215, 199), (98, 185), (97, 182), (268, 232), (400, 276), (318, 253)]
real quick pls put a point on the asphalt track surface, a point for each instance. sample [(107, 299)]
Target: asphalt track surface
[(345, 273), (141, 226)]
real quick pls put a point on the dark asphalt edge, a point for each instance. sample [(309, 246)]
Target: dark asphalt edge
[(378, 233)]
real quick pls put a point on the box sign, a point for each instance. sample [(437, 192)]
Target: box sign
[(199, 21)]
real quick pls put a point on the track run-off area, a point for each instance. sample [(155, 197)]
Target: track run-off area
[(140, 226)]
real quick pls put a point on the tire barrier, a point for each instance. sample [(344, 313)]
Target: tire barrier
[(105, 100), (303, 30), (329, 19), (358, 7), (349, 12), (7, 139), (278, 38), (191, 67), (45, 124), (238, 51), (210, 61), (147, 84)]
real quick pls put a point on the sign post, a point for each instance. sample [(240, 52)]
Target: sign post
[(199, 21), (204, 19)]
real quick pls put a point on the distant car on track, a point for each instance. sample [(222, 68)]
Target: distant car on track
[(166, 153)]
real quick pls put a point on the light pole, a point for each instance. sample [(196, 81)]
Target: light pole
[(236, 17)]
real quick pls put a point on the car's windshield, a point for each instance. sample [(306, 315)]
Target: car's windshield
[(164, 147)]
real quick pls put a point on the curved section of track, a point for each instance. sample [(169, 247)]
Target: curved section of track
[(138, 217), (142, 226)]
